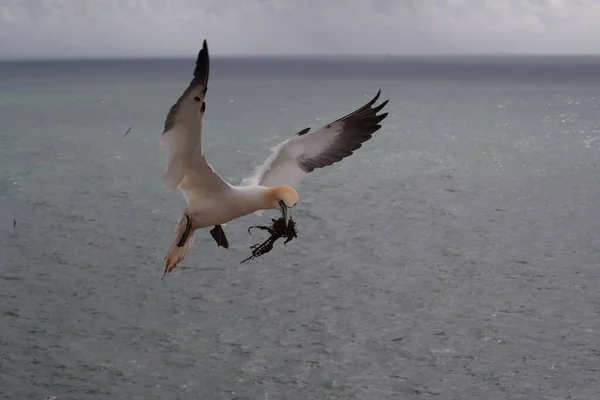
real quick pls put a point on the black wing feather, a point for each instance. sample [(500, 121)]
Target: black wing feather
[(201, 73), (355, 129)]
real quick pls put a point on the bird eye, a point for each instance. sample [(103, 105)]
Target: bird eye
[(196, 98)]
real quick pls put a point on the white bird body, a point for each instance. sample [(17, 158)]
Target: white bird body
[(230, 204), (213, 202)]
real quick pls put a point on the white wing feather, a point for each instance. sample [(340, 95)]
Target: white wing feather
[(187, 168), (296, 157)]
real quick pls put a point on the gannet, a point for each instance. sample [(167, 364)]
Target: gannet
[(213, 202)]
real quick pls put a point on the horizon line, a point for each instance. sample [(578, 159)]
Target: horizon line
[(298, 56)]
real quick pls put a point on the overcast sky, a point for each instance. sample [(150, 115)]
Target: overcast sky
[(72, 28)]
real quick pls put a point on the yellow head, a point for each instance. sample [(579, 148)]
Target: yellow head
[(282, 198)]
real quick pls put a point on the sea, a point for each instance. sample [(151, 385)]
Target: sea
[(456, 255)]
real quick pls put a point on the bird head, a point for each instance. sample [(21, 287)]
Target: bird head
[(283, 198)]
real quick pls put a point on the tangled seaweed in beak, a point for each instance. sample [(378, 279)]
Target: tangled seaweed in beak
[(277, 230)]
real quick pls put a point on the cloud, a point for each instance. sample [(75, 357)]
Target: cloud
[(47, 28)]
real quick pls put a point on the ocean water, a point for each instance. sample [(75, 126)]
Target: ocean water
[(456, 255)]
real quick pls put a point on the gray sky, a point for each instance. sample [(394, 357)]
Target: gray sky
[(42, 28)]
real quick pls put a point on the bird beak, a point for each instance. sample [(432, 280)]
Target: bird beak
[(286, 212)]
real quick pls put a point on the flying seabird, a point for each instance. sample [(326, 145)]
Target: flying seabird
[(213, 202)]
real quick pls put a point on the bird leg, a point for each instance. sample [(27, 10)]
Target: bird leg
[(219, 235), (188, 226)]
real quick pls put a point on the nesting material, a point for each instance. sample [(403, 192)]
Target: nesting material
[(277, 230)]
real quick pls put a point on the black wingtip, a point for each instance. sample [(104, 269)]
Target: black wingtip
[(380, 106), (366, 109), (202, 69), (377, 95), (374, 100)]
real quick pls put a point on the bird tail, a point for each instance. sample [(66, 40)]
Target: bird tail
[(181, 245)]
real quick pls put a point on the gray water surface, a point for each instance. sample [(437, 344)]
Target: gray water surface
[(454, 256)]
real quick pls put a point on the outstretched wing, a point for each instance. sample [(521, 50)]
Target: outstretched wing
[(187, 167), (305, 151)]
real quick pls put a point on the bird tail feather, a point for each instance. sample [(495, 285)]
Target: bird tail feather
[(181, 245)]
